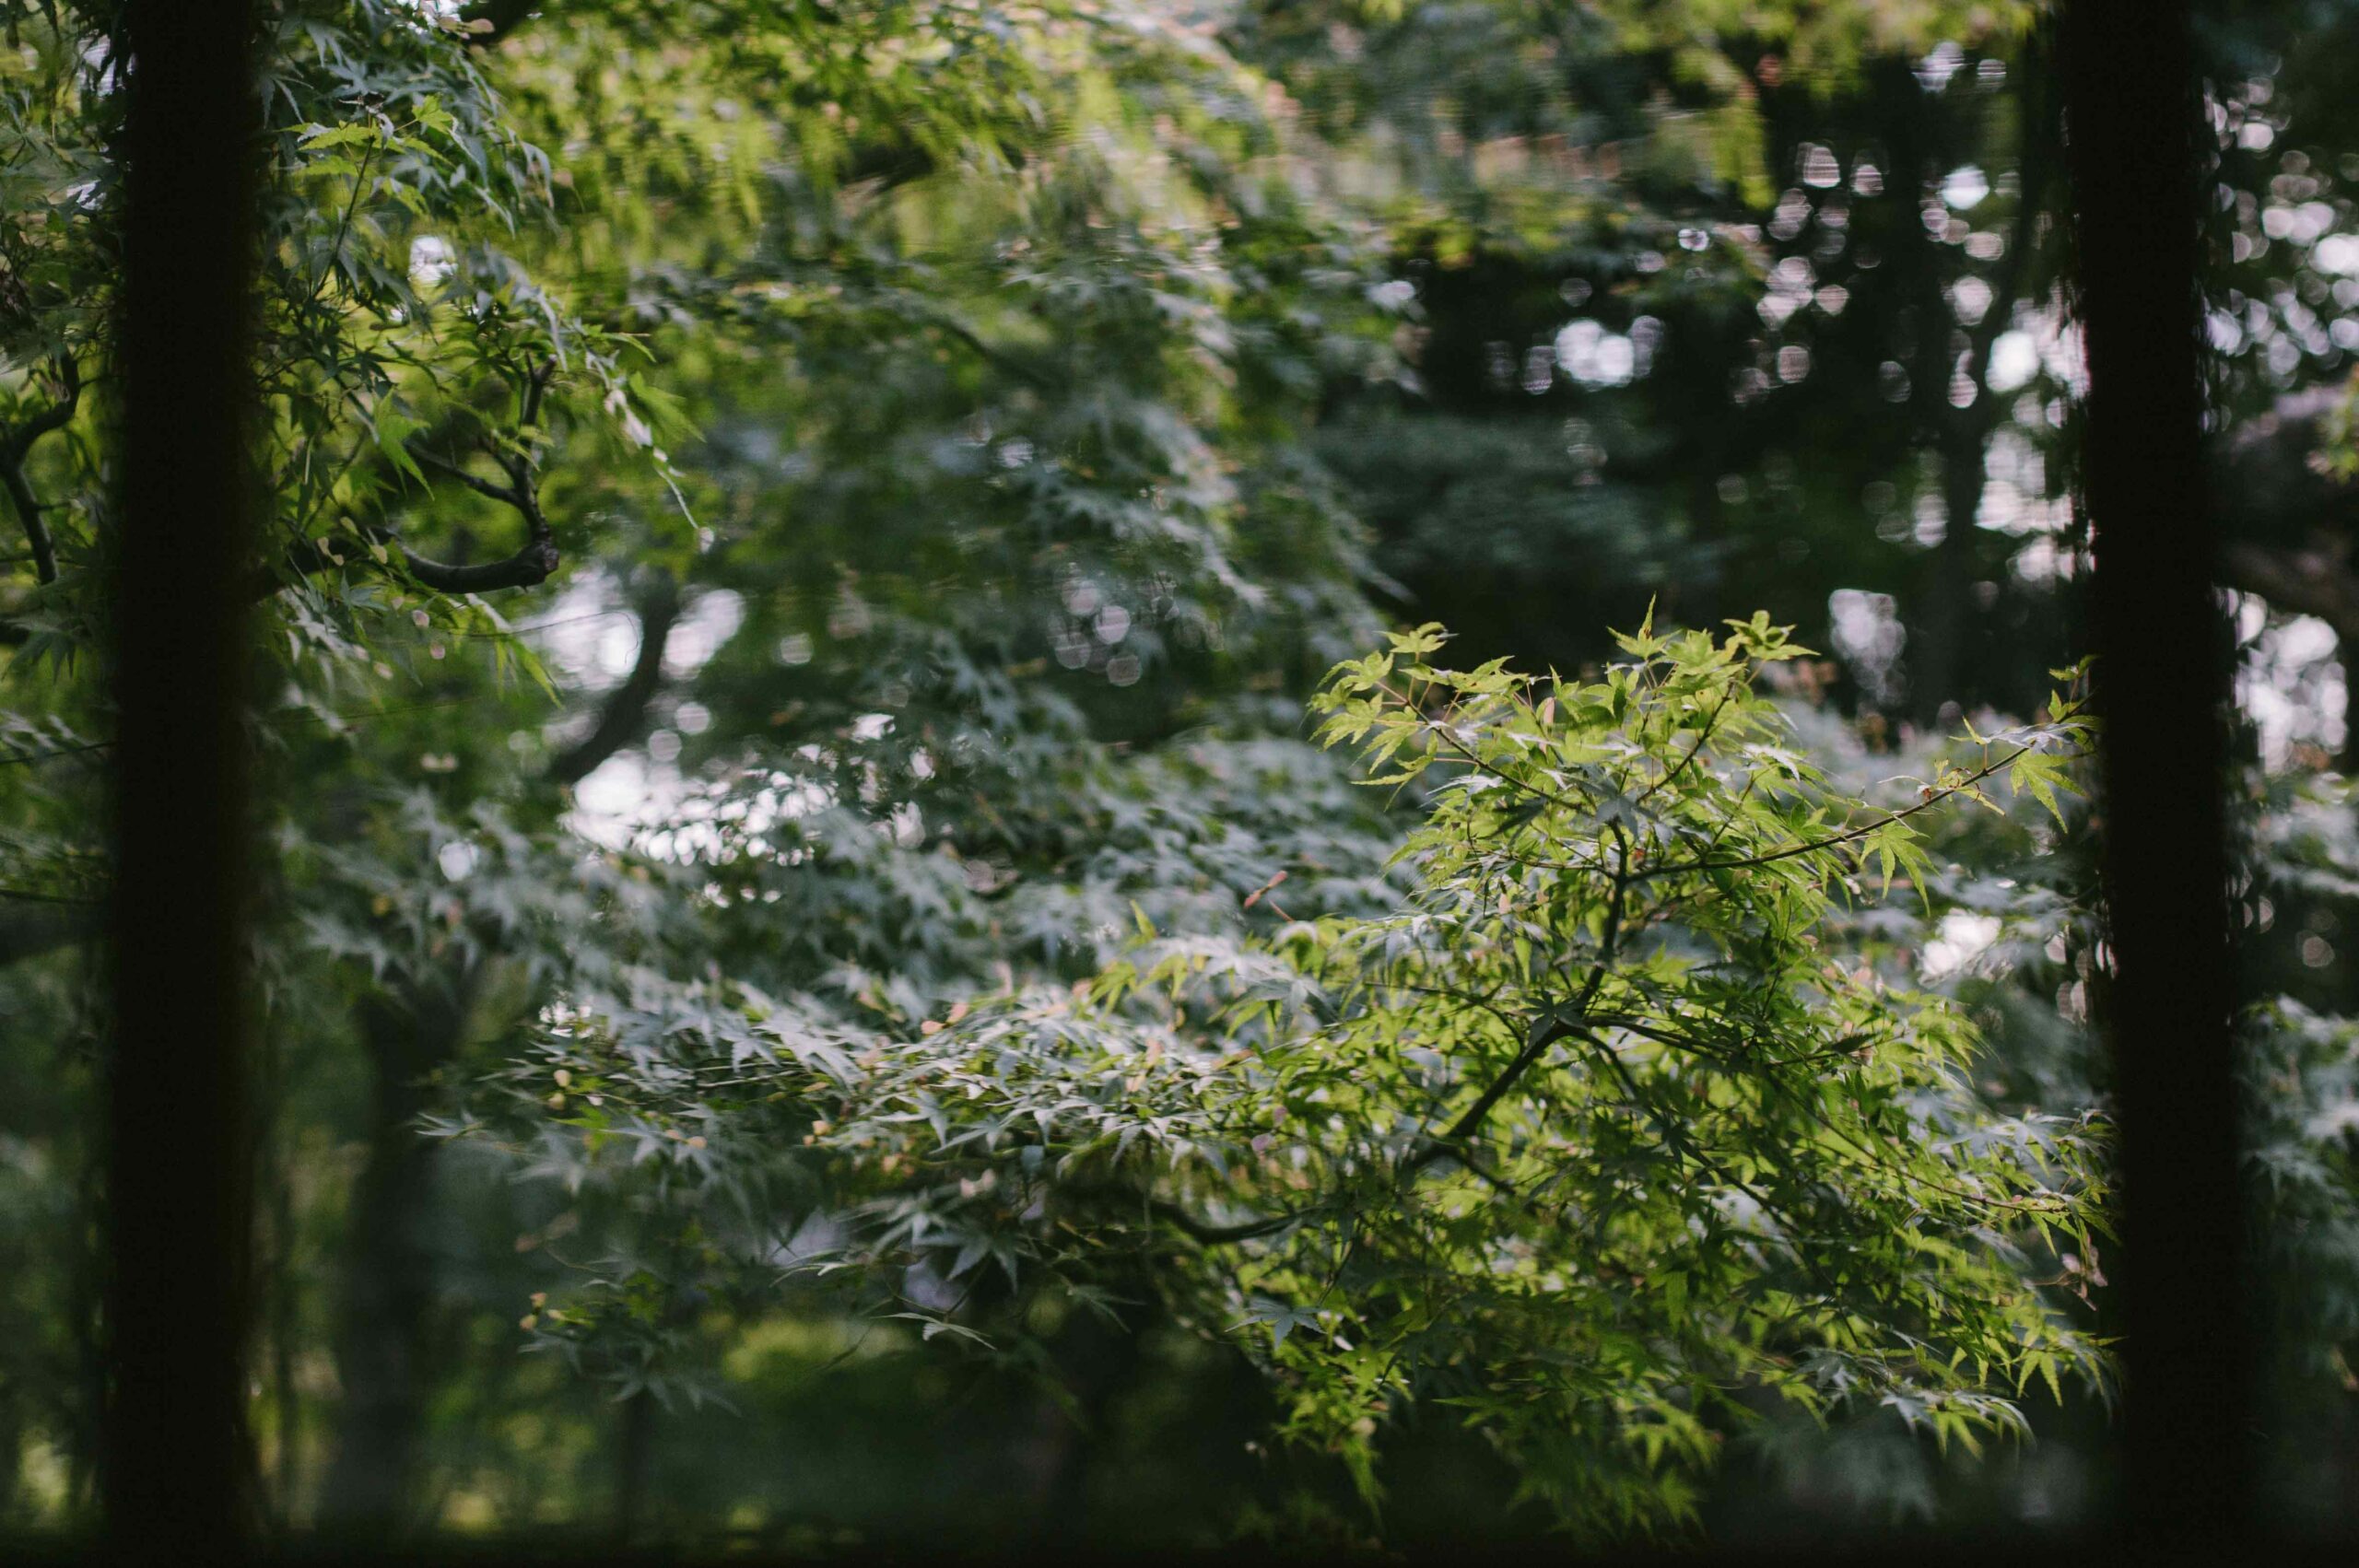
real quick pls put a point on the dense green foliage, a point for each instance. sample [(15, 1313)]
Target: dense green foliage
[(806, 545), (1593, 1139)]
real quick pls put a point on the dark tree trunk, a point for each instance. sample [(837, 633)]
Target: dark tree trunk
[(174, 1459), (634, 1461), (1940, 670), (1935, 640), (388, 1286), (2137, 132)]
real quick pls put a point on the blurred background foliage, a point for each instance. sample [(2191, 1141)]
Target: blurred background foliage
[(842, 502)]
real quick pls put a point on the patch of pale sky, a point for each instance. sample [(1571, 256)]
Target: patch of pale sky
[(2290, 682), (1960, 940), (631, 791)]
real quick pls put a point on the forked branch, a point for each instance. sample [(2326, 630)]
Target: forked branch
[(17, 444), (533, 563)]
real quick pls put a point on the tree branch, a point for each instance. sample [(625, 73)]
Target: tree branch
[(528, 567), (1833, 841), (1218, 1235), (2290, 522), (508, 495), (2314, 578), (17, 444), (533, 561), (625, 713), (29, 933), (1547, 1030)]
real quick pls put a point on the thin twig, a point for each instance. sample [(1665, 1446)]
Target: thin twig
[(1847, 837)]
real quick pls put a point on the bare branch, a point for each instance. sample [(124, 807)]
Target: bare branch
[(2315, 578), (536, 386), (13, 759), (1208, 1235), (1933, 798), (17, 444), (528, 567), (505, 494), (29, 510), (532, 562), (625, 713), (2291, 520), (1547, 1030)]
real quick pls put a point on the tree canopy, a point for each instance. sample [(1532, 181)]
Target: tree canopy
[(856, 878)]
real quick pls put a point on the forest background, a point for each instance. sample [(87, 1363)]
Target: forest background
[(799, 533)]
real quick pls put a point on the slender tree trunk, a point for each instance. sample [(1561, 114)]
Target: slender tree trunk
[(1950, 670), (1103, 1368), (2132, 95), (634, 1461), (285, 1402), (389, 1288), (1940, 669)]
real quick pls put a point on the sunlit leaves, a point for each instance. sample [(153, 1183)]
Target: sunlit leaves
[(1593, 1139)]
